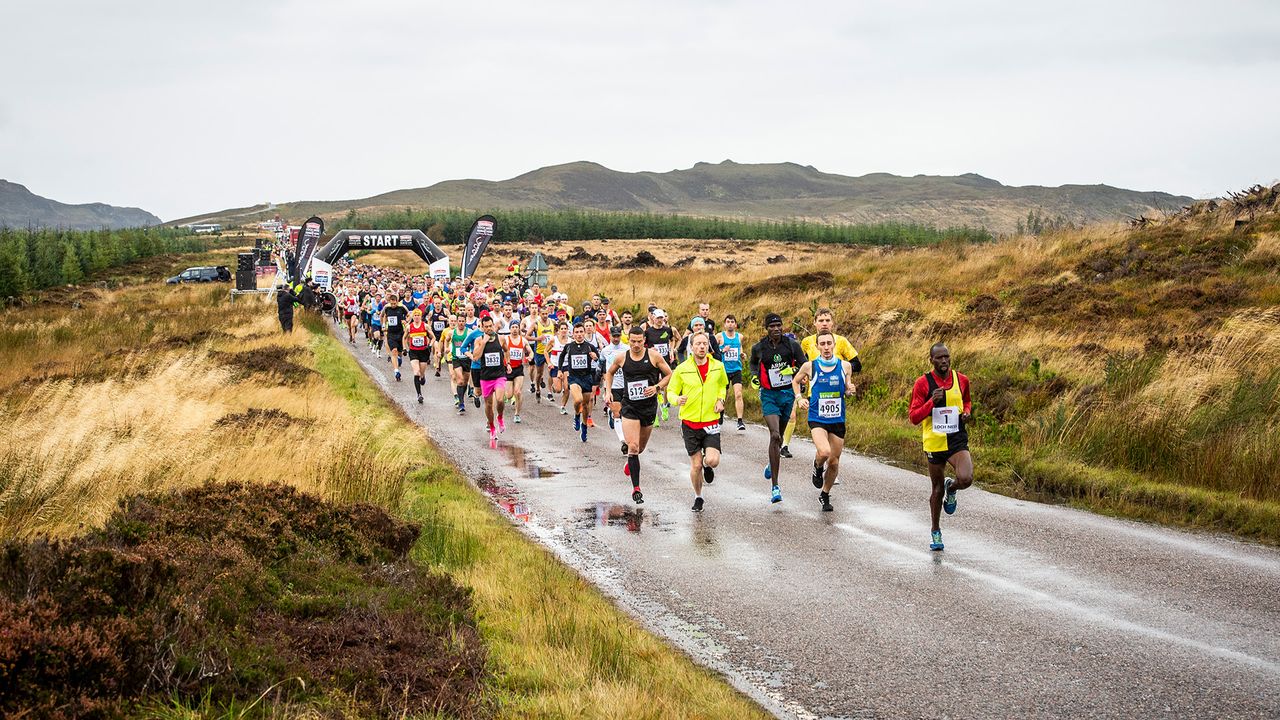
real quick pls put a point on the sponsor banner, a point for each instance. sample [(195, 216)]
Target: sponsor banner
[(440, 269), (477, 240), (308, 241), (322, 273)]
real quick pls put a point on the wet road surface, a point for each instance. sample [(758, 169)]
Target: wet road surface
[(1032, 610)]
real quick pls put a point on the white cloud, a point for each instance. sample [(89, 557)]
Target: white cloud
[(184, 107)]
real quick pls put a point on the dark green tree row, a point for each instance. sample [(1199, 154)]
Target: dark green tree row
[(451, 226), (37, 258)]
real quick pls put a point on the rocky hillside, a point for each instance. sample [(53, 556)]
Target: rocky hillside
[(19, 207), (774, 191)]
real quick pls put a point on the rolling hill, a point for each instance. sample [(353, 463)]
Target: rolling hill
[(767, 191), (19, 207)]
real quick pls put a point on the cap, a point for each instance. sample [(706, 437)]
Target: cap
[(772, 318), (659, 313), (698, 320)]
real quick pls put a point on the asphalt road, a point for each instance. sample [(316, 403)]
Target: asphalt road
[(1032, 610)]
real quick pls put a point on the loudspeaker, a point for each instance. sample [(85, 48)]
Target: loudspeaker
[(244, 261), (246, 279)]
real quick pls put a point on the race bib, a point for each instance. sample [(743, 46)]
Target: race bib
[(578, 362), (392, 320), (777, 379), (663, 349), (492, 359), (418, 341), (438, 325), (517, 353), (830, 407), (731, 354), (712, 429), (946, 420), (636, 389)]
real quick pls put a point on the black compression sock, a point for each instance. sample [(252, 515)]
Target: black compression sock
[(633, 464), (462, 393)]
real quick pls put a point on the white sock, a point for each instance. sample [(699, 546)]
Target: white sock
[(617, 428)]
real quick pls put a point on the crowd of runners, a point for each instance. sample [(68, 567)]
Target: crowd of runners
[(502, 346)]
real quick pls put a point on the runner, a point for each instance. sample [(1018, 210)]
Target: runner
[(830, 379), (375, 325), (823, 321), (709, 325), (731, 354), (539, 329), (555, 347), (460, 363), (576, 362), (697, 386), (489, 365), (421, 340), (393, 317), (645, 375), (659, 337), (517, 349), (697, 325), (774, 360), (439, 323), (940, 405), (351, 314), (613, 404)]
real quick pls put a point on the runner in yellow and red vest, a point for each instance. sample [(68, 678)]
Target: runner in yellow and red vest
[(940, 405)]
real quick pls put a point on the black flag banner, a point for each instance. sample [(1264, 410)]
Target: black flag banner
[(477, 240), (308, 240)]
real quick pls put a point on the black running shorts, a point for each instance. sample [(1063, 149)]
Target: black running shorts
[(836, 429), (695, 441), (644, 413)]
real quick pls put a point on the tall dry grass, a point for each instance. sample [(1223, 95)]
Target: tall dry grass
[(140, 390)]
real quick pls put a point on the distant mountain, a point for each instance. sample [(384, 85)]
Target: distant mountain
[(776, 191), (19, 207)]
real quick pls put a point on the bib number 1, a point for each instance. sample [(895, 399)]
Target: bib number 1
[(946, 420)]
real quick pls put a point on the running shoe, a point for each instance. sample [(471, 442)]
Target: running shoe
[(637, 497), (741, 425), (937, 541), (590, 422), (610, 419), (584, 433), (768, 472), (437, 372), (666, 414), (419, 398), (577, 422), (949, 500), (657, 421), (397, 376), (564, 410), (517, 418), (825, 499), (708, 474), (697, 504), (551, 398), (624, 448), (817, 476), (502, 426), (784, 452), (462, 410), (388, 357), (476, 399), (777, 495), (493, 443)]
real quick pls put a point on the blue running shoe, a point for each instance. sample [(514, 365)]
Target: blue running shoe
[(937, 541), (777, 495), (584, 432), (397, 376), (768, 472), (577, 422), (949, 501)]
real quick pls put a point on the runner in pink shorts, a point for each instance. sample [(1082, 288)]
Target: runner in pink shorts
[(490, 351)]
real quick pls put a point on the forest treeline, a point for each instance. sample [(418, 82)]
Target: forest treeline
[(451, 227), (38, 258)]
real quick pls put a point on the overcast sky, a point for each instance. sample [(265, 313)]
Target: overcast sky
[(186, 107)]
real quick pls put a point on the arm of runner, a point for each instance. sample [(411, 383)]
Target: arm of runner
[(797, 383), (967, 412), (849, 388), (921, 402), (607, 381), (674, 386)]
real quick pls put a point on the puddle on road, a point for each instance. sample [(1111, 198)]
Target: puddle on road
[(607, 514), (505, 497), (527, 463)]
